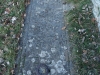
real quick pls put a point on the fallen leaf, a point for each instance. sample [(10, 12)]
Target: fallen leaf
[(6, 49), (63, 28), (7, 11), (12, 72), (84, 51), (84, 60), (93, 20), (94, 43)]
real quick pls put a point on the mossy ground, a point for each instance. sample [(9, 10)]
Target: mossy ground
[(84, 37), (10, 32)]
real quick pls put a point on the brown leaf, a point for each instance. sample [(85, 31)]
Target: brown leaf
[(12, 72), (84, 51), (63, 28), (94, 43), (7, 10), (93, 20)]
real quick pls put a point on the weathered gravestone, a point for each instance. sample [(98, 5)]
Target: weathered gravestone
[(44, 42)]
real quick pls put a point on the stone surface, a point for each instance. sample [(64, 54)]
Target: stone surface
[(96, 11), (43, 40)]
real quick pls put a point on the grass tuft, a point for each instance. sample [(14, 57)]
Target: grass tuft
[(9, 33), (85, 38)]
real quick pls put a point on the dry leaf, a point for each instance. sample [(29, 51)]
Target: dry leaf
[(93, 20), (12, 72), (63, 28), (84, 51), (7, 11), (94, 43), (6, 49)]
